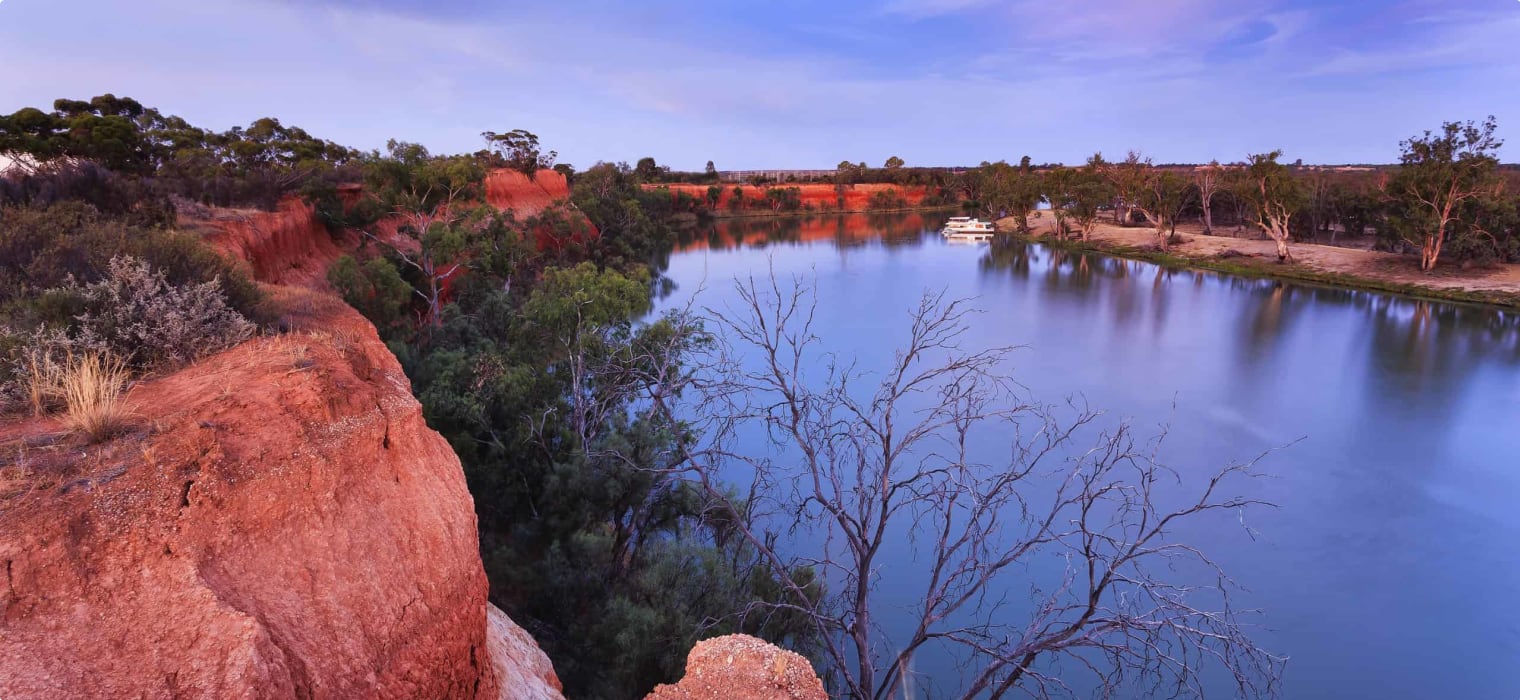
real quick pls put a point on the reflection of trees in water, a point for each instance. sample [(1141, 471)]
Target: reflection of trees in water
[(1431, 345), (843, 230), (1428, 343)]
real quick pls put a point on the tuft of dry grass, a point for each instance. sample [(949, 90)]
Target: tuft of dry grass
[(93, 385), (42, 381)]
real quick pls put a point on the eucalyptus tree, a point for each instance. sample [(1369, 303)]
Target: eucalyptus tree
[(1440, 172), (520, 150), (1163, 197), (1207, 181), (1272, 196)]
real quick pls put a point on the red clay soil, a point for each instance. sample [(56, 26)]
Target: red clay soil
[(740, 667), (816, 196), (286, 246), (281, 522), (511, 189)]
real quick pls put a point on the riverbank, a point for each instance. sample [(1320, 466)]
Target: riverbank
[(1498, 285)]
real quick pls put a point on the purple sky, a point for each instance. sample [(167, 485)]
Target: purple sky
[(796, 83)]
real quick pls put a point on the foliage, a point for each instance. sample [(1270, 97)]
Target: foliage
[(42, 249), (1273, 196), (785, 198), (165, 155), (1436, 192), (518, 149), (137, 315)]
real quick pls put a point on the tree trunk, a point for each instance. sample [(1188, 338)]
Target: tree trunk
[(1208, 218)]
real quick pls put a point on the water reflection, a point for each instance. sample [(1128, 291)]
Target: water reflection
[(1423, 341), (1397, 523), (843, 230)]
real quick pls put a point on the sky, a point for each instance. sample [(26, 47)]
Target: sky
[(796, 83)]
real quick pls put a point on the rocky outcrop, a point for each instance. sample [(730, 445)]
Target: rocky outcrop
[(740, 667), (282, 523), (523, 671)]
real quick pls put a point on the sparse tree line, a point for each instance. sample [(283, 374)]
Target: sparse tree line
[(1447, 200)]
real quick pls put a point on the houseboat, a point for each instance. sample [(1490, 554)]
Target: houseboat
[(965, 228)]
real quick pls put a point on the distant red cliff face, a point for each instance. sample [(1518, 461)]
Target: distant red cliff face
[(817, 196), (511, 189)]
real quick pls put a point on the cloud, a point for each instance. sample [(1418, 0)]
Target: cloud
[(1183, 79)]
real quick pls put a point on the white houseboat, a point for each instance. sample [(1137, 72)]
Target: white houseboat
[(965, 228)]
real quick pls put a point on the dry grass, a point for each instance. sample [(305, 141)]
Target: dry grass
[(43, 381), (93, 386)]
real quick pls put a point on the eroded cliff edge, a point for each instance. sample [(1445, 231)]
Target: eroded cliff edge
[(280, 522)]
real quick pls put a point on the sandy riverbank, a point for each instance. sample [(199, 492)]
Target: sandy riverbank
[(1353, 267)]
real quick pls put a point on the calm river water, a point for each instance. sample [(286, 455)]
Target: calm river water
[(1391, 568)]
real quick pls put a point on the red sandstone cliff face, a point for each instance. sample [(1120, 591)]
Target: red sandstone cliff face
[(280, 522), (511, 189), (286, 246), (741, 667)]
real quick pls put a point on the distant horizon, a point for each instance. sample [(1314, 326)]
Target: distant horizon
[(941, 83)]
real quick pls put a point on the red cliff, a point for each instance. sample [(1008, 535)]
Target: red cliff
[(511, 189), (280, 522), (286, 246)]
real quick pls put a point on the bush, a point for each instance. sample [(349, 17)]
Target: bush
[(41, 249), (137, 314)]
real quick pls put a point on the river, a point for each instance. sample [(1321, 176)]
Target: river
[(1390, 566)]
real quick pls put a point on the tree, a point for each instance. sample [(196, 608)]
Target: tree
[(1439, 173), (711, 171), (1060, 190), (1129, 179), (1272, 195), (1207, 181), (893, 163), (519, 149), (865, 459), (1090, 192), (1162, 199), (649, 171), (423, 191)]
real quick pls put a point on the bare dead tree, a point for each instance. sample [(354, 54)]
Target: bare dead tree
[(861, 464)]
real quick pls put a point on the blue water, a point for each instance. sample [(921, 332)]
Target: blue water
[(1390, 566)]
